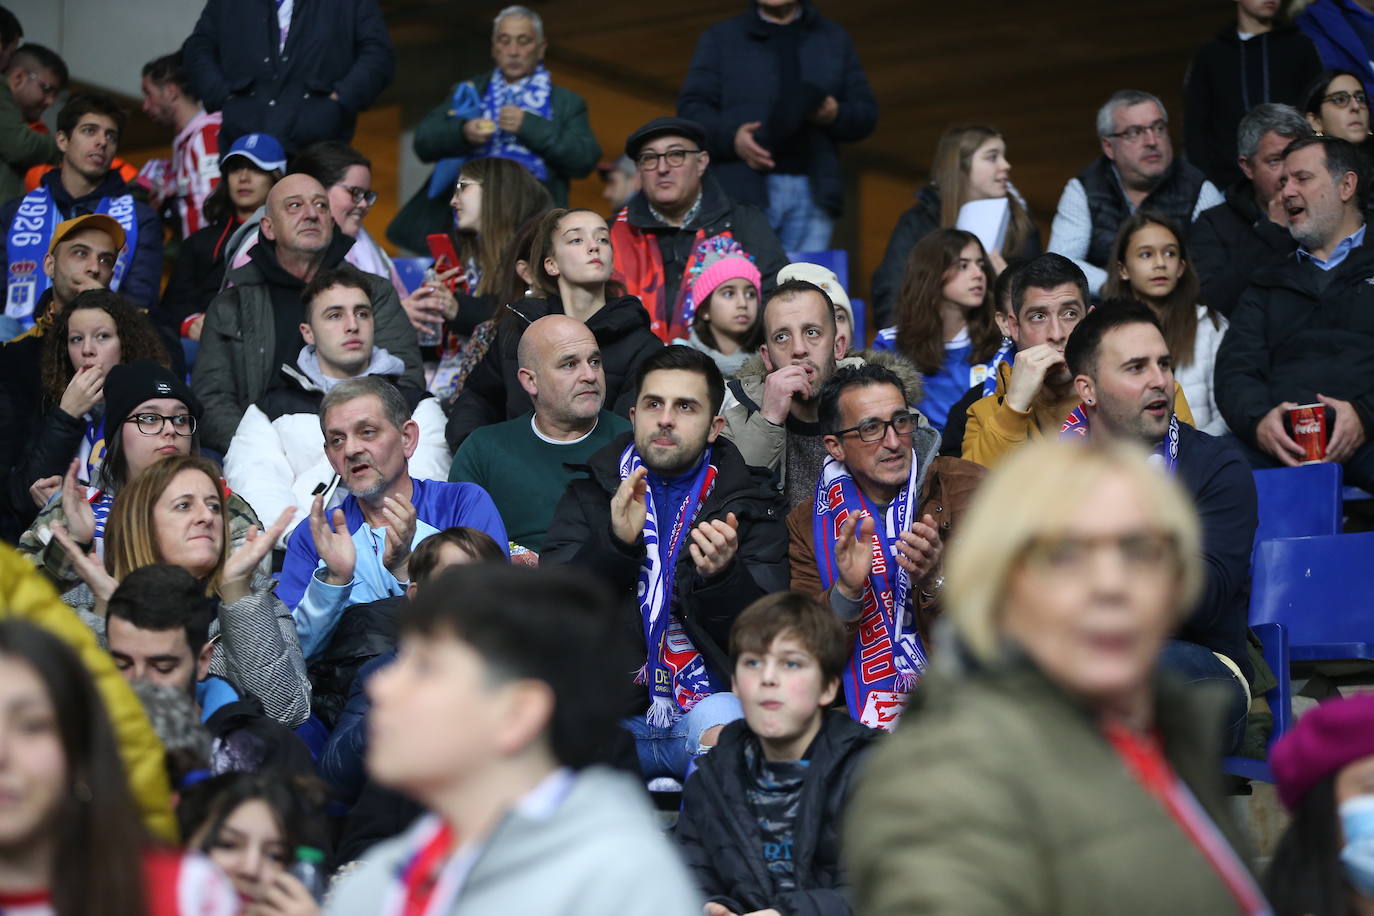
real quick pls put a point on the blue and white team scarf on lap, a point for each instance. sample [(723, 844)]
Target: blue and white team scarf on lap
[(1077, 426), (33, 227), (888, 657), (674, 670)]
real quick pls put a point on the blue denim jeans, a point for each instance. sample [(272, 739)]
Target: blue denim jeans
[(1195, 664), (667, 751), (792, 212)]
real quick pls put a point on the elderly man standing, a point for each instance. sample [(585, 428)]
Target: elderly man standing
[(523, 463), (778, 88), (681, 221), (253, 327), (1304, 332), (512, 112), (1136, 170)]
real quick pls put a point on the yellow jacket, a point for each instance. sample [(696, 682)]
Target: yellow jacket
[(994, 428), (26, 595)]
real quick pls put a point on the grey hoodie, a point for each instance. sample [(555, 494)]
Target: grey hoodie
[(600, 852)]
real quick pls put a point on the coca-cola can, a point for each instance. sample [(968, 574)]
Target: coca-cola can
[(1309, 430)]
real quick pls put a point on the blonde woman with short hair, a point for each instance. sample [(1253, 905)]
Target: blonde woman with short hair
[(1060, 774)]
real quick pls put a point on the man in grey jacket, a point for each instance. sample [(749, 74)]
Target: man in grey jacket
[(494, 716), (253, 327)]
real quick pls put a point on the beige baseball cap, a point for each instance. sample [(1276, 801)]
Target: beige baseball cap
[(106, 224), (823, 277)]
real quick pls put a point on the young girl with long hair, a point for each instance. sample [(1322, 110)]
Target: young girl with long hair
[(970, 164), (1150, 263), (727, 324), (946, 322)]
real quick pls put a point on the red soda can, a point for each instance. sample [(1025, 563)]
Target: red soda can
[(1309, 430)]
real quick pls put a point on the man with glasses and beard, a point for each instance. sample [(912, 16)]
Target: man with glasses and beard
[(871, 541)]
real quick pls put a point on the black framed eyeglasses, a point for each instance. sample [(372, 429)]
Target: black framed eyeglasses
[(873, 430), (150, 424), (1135, 132), (647, 162), (1342, 98), (360, 195)]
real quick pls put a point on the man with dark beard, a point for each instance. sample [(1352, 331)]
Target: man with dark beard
[(672, 517)]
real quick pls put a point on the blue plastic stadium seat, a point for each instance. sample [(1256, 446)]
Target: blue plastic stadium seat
[(860, 321), (1298, 502), (837, 259), (412, 271), (1319, 589)]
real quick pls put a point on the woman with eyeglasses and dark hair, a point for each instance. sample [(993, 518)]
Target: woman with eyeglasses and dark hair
[(98, 330), (150, 414), (174, 512), (71, 841), (1337, 106)]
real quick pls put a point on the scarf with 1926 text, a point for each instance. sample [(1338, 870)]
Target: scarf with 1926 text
[(1077, 426), (674, 670), (888, 656)]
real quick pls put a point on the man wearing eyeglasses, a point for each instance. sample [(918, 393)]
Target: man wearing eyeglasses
[(1123, 379), (33, 78), (871, 541), (1136, 170), (681, 221)]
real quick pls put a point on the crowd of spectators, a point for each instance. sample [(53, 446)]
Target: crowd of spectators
[(613, 567)]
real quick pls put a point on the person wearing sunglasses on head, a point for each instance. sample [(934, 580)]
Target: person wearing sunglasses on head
[(870, 544)]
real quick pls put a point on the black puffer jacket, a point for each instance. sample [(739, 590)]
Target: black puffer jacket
[(1299, 331), (1232, 240), (580, 535), (493, 393), (720, 838)]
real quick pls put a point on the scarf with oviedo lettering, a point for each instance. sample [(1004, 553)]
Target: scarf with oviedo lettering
[(674, 670), (1077, 425), (34, 224), (533, 94), (888, 657)]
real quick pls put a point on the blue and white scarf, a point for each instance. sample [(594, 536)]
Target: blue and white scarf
[(888, 657), (1077, 425), (674, 670), (91, 452), (33, 227), (1005, 355), (533, 94)]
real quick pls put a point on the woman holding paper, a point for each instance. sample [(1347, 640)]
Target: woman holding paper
[(945, 320), (970, 166)]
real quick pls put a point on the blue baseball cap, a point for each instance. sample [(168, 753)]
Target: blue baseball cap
[(263, 150)]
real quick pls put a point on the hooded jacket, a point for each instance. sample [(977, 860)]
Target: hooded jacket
[(143, 279), (492, 392), (735, 77), (277, 459), (721, 841), (999, 795), (580, 535), (1227, 78), (1298, 331), (1232, 240), (600, 851), (238, 345)]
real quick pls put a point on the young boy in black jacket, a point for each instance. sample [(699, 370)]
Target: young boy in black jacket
[(761, 817)]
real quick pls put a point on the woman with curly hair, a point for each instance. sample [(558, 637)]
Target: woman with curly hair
[(98, 330)]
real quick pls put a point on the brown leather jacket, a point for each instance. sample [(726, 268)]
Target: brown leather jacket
[(945, 496)]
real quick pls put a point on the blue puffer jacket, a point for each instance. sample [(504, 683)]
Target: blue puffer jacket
[(734, 79)]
